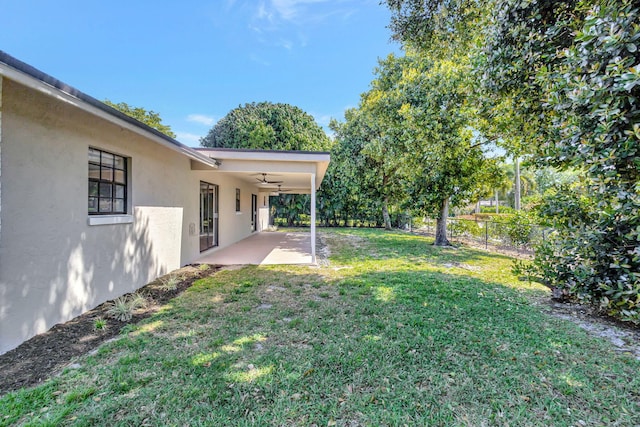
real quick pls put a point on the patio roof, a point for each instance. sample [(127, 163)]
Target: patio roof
[(292, 169)]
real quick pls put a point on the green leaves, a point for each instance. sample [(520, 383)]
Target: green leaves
[(268, 126), (149, 118), (566, 75)]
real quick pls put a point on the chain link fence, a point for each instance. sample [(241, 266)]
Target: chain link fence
[(516, 236)]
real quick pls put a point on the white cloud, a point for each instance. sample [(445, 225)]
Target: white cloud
[(287, 44), (189, 139), (292, 9), (259, 60), (277, 16), (264, 13), (202, 119)]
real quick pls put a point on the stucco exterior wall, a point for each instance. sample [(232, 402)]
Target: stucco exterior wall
[(53, 264)]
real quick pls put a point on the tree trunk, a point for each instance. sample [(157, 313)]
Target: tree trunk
[(441, 225), (478, 207), (516, 202), (385, 214), (497, 203)]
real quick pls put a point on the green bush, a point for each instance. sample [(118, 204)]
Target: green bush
[(492, 209), (519, 228), (467, 228), (170, 282), (594, 89)]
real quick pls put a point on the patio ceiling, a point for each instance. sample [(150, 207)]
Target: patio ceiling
[(293, 168)]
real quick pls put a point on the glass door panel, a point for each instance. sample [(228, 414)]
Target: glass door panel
[(254, 212), (208, 216)]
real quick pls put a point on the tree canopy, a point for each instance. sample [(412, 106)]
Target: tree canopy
[(149, 118), (558, 82), (411, 139), (268, 126), (272, 126)]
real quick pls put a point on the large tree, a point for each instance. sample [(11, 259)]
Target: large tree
[(149, 118), (562, 83), (270, 126), (369, 171), (371, 133), (436, 26), (445, 166)]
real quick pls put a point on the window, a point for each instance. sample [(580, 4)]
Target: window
[(107, 183), (237, 200)]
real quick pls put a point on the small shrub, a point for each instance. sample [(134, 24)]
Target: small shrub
[(137, 300), (120, 309), (465, 228), (520, 228), (99, 324), (171, 283)]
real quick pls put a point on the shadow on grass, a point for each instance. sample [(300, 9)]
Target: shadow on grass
[(287, 346)]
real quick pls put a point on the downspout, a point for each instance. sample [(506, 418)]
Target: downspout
[(313, 218)]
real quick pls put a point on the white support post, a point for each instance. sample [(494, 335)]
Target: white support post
[(0, 154), (313, 218)]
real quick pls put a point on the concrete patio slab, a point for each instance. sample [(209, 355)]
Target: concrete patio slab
[(264, 248)]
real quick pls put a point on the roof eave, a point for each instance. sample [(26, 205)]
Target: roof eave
[(25, 74)]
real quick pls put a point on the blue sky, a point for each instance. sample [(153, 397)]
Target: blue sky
[(193, 61)]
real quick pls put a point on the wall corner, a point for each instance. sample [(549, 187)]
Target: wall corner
[(1, 84)]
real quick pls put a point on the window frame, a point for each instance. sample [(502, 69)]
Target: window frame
[(110, 186), (238, 200)]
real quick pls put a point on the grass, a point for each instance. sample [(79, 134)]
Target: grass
[(392, 332)]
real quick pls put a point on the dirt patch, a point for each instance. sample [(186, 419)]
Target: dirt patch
[(624, 337), (44, 355)]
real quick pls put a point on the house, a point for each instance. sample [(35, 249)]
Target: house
[(94, 204)]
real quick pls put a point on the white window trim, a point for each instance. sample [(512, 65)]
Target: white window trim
[(110, 219)]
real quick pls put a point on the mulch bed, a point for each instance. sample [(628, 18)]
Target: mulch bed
[(47, 354)]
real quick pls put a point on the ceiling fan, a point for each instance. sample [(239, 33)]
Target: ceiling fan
[(280, 190), (264, 180)]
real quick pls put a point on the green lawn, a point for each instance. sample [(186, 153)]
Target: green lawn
[(392, 332)]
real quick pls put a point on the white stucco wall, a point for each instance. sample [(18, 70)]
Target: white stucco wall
[(53, 264)]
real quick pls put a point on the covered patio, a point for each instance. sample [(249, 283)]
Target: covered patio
[(265, 248), (271, 173)]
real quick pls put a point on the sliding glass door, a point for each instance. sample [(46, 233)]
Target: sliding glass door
[(208, 216)]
